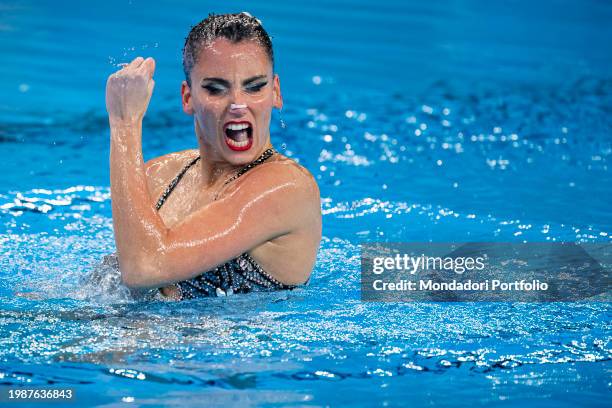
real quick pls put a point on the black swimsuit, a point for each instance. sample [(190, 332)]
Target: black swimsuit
[(239, 275)]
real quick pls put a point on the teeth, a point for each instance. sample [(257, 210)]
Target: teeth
[(235, 143), (237, 126)]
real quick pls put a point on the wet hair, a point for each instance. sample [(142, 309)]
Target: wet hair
[(234, 27)]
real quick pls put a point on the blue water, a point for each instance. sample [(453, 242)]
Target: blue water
[(451, 121)]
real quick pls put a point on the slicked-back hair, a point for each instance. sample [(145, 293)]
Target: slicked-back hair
[(233, 27)]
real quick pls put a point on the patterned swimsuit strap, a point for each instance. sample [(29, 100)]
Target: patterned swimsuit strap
[(264, 156)]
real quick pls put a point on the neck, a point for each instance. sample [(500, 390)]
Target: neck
[(215, 171)]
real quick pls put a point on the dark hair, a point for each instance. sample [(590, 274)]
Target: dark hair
[(234, 27)]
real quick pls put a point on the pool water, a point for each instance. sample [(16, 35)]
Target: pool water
[(477, 121)]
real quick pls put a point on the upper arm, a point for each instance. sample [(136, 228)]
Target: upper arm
[(269, 203)]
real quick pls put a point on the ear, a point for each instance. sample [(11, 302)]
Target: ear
[(186, 98), (278, 97)]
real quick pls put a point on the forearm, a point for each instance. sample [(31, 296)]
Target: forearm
[(138, 228)]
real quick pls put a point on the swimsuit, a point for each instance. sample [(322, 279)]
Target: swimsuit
[(239, 275)]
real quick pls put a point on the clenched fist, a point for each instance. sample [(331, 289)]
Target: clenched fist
[(129, 90)]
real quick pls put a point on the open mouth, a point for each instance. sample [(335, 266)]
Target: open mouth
[(238, 135)]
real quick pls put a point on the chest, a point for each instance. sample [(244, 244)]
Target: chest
[(185, 198)]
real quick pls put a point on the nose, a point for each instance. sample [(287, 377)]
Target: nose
[(238, 109), (238, 105)]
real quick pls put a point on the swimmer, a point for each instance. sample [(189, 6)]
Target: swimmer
[(233, 215)]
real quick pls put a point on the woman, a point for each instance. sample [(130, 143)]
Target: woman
[(231, 216)]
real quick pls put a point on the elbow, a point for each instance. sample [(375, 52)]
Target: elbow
[(300, 278), (131, 280), (297, 280), (138, 273)]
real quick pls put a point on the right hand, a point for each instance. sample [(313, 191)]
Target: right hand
[(129, 90)]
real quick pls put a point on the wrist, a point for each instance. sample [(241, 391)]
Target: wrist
[(125, 133), (125, 123)]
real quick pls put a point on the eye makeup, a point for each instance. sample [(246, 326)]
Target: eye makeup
[(256, 87), (217, 86), (214, 89)]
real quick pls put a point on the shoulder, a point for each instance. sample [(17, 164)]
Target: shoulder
[(169, 163), (162, 169), (284, 175)]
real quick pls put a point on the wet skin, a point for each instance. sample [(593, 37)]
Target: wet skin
[(272, 212)]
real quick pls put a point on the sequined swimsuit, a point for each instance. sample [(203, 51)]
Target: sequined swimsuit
[(239, 275)]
